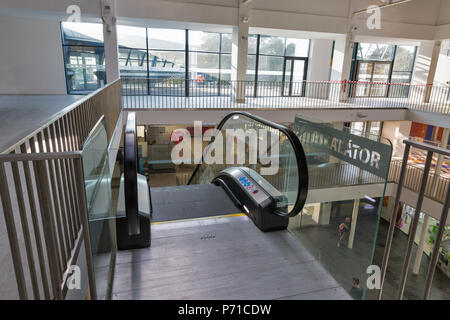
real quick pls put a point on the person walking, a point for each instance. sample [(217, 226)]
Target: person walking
[(344, 230)]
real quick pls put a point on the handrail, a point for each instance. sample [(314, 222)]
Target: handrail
[(42, 193), (152, 93), (299, 155), (418, 208), (58, 116), (21, 157)]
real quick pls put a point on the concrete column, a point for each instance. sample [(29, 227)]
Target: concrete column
[(396, 132), (319, 68), (239, 52), (426, 61), (351, 237), (325, 213), (442, 76), (316, 213), (439, 161), (419, 253), (387, 212), (340, 67), (110, 40)]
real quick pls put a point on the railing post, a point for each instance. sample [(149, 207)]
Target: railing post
[(437, 244), (391, 230), (12, 234), (413, 228), (46, 208)]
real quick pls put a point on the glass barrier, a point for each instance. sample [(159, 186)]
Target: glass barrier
[(348, 172), (97, 177), (246, 142)]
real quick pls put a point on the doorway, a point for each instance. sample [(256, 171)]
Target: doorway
[(294, 75), (376, 74)]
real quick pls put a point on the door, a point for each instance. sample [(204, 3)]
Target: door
[(294, 75), (374, 76)]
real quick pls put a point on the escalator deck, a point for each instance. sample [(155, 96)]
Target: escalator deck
[(190, 202)]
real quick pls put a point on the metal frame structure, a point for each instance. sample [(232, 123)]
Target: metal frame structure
[(421, 194)]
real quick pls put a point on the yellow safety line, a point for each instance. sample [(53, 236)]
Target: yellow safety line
[(202, 218)]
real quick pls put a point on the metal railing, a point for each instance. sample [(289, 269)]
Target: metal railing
[(148, 93), (422, 190), (42, 191), (435, 187)]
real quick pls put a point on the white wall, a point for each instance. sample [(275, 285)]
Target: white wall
[(31, 58), (413, 20), (396, 132), (442, 75)]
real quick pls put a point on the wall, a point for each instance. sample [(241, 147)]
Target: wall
[(413, 20), (31, 58), (396, 132), (442, 76)]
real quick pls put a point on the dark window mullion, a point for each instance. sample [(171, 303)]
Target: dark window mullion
[(186, 62), (148, 61), (220, 63), (255, 85)]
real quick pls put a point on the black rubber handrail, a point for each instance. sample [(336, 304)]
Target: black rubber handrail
[(298, 151)]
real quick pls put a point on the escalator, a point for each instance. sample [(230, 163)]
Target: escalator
[(251, 166), (239, 248)]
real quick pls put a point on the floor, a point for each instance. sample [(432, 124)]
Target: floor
[(221, 258), (23, 114)]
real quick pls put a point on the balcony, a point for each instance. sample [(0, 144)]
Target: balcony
[(144, 93)]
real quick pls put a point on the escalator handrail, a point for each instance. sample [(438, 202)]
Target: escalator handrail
[(298, 151)]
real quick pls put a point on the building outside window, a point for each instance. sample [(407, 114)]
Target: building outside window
[(153, 61), (84, 56)]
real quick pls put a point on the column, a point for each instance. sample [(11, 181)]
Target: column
[(340, 67), (440, 159), (325, 213), (425, 68), (419, 253), (389, 209), (351, 237), (319, 68), (239, 52), (396, 132), (110, 40)]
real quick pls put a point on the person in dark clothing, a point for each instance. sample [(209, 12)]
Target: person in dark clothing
[(344, 229), (120, 159), (356, 290)]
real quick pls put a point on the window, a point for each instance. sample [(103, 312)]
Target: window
[(378, 64), (166, 39), (132, 51), (166, 55), (277, 65), (209, 61), (375, 51), (154, 59), (84, 56)]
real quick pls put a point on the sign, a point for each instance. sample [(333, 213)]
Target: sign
[(367, 154)]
